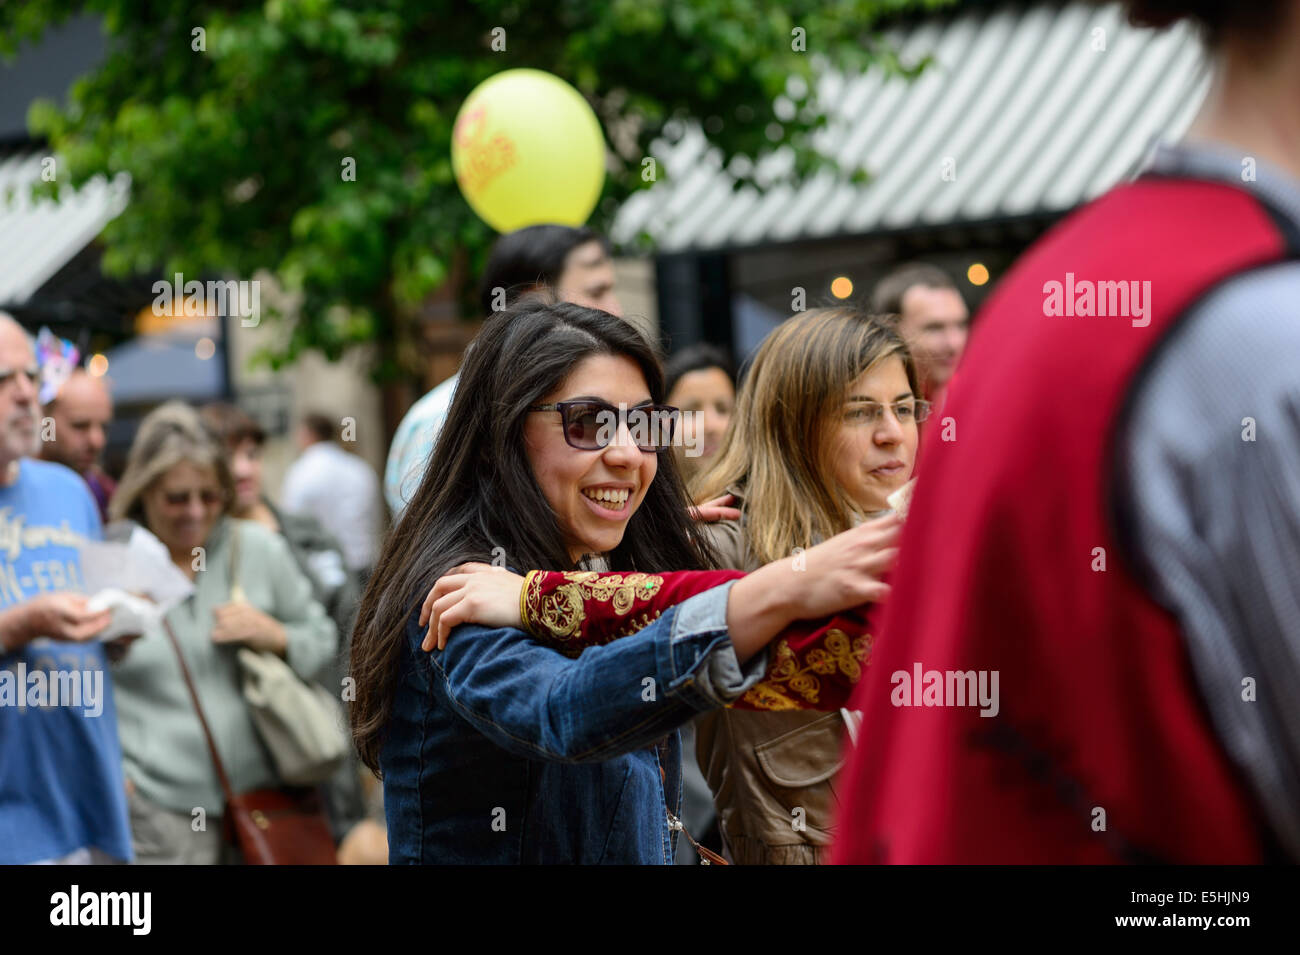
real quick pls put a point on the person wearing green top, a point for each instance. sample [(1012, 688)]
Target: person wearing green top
[(177, 487), (356, 819)]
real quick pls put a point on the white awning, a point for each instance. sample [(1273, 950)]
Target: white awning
[(39, 238), (1020, 113)]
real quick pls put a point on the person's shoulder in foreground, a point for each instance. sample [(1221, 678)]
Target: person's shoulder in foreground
[(414, 438), (53, 486), (1208, 492)]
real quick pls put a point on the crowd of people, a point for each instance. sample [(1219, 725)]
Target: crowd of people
[(137, 781), (879, 598), (286, 578)]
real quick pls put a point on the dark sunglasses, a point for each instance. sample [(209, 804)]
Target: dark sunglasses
[(592, 425)]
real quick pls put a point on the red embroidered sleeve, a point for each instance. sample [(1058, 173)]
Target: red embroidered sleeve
[(813, 664), (573, 610)]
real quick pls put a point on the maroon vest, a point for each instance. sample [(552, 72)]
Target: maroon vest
[(1099, 720)]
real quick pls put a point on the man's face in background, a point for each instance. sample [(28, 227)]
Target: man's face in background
[(81, 412), (934, 323), (588, 279), (19, 407)]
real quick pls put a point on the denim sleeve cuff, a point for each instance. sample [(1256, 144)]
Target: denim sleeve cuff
[(700, 659)]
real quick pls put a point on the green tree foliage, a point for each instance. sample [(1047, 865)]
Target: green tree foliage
[(234, 119)]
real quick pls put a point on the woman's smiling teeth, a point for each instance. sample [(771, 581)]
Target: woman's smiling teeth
[(610, 498)]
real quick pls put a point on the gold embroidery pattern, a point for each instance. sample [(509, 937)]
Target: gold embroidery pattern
[(531, 599), (637, 624), (787, 680), (561, 613), (766, 696)]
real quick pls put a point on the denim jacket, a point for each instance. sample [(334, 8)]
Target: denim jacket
[(500, 750)]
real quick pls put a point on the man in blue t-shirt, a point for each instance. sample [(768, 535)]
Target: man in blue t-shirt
[(62, 792)]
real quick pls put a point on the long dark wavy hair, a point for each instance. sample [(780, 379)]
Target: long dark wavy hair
[(479, 492)]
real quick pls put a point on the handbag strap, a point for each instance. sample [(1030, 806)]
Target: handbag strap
[(707, 856), (203, 720), (236, 591)]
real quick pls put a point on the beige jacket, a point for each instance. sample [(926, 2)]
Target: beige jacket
[(771, 773)]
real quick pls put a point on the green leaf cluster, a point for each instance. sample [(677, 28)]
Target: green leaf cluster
[(236, 150)]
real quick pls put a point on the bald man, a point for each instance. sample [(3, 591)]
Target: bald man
[(62, 790), (81, 411)]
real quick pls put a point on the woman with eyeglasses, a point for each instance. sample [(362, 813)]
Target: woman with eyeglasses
[(497, 748), (825, 431), (248, 592)]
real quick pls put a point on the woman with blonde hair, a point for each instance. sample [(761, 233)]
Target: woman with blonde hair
[(825, 430), (248, 592)]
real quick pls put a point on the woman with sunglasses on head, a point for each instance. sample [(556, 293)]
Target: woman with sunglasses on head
[(496, 748), (824, 436), (176, 495)]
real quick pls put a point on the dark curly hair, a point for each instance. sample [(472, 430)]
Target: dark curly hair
[(1216, 19)]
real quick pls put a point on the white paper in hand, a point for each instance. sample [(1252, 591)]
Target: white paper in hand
[(114, 573), (131, 614)]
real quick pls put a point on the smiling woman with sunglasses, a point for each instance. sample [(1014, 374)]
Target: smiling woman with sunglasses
[(496, 748)]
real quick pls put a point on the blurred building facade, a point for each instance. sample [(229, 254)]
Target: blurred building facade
[(1026, 111)]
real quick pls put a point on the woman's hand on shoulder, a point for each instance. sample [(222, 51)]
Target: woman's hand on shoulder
[(718, 509), (471, 593)]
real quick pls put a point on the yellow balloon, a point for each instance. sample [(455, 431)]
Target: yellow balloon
[(526, 150)]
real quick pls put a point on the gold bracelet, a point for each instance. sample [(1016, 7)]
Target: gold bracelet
[(523, 601)]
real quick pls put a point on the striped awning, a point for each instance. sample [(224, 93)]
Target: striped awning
[(39, 238), (1026, 110)]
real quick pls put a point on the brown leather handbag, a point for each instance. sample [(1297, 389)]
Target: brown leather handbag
[(270, 826)]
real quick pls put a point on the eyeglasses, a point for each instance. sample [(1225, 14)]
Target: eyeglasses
[(33, 373), (592, 425), (181, 498), (865, 412)]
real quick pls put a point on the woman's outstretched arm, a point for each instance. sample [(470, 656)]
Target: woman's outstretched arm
[(574, 610), (815, 664), (613, 699)]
